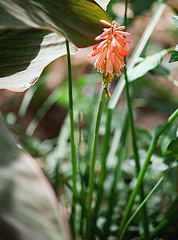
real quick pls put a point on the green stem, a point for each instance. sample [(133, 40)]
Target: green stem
[(131, 120), (92, 164), (144, 217), (125, 14), (113, 196), (103, 167), (144, 201), (170, 217), (140, 206), (143, 170), (74, 161), (82, 191)]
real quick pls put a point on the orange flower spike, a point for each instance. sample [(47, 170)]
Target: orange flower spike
[(112, 49), (105, 23)]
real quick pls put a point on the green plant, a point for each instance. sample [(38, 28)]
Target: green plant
[(103, 166)]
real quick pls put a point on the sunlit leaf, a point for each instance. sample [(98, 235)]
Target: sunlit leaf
[(174, 56), (175, 20), (25, 53), (103, 3), (146, 65), (28, 206)]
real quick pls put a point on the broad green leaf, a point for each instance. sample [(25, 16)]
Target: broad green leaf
[(18, 14), (172, 149), (174, 56), (146, 65), (167, 137), (28, 206), (78, 21), (175, 20), (25, 53)]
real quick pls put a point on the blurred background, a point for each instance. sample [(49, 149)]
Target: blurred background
[(158, 90)]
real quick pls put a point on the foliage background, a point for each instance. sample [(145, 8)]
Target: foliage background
[(39, 117)]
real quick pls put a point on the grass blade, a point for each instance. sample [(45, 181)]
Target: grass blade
[(144, 168), (92, 166), (74, 161)]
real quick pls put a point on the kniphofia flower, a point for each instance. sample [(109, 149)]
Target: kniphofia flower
[(112, 49)]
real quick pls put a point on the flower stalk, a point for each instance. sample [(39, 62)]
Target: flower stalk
[(92, 164), (144, 216), (73, 149)]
